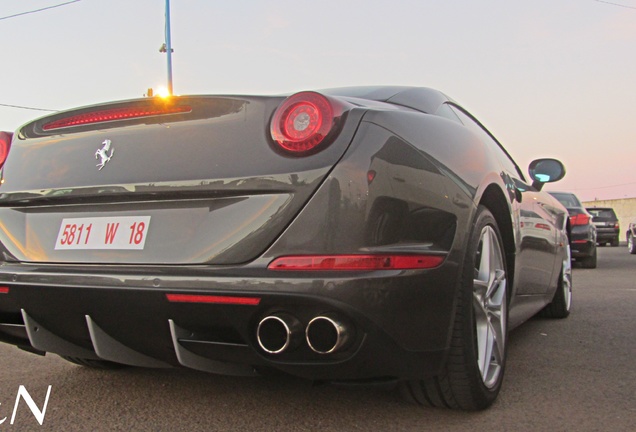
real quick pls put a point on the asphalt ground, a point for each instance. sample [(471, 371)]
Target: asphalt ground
[(577, 374)]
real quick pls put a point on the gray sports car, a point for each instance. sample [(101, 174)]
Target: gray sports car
[(366, 233)]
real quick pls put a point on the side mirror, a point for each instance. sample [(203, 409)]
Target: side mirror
[(545, 171)]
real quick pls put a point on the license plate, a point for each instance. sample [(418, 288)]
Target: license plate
[(123, 232)]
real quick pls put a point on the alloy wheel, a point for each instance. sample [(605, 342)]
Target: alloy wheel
[(490, 306)]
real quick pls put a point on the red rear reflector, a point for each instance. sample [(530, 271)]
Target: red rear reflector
[(114, 114), (579, 219), (371, 176), (4, 290), (189, 298), (5, 145), (355, 262)]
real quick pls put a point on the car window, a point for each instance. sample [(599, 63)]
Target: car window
[(502, 155), (602, 213), (568, 200)]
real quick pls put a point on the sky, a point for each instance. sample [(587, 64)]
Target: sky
[(549, 78)]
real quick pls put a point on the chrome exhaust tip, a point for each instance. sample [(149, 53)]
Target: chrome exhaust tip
[(326, 334), (278, 333)]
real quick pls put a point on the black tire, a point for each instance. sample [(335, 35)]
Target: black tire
[(589, 262), (561, 302), (463, 382), (93, 364), (631, 244), (615, 242)]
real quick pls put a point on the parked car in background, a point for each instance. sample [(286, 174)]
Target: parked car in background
[(583, 235), (606, 223), (631, 237)]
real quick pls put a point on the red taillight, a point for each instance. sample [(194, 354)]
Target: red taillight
[(4, 290), (114, 114), (194, 298), (579, 219), (355, 262), (5, 145), (303, 121)]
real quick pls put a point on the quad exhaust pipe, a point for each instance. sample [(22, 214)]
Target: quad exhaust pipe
[(278, 333), (326, 334), (281, 332)]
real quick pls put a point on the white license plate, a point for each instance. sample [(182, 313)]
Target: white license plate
[(123, 232)]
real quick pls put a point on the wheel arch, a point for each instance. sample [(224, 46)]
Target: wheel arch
[(494, 199)]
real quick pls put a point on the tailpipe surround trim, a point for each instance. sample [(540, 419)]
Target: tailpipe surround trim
[(278, 333), (327, 334)]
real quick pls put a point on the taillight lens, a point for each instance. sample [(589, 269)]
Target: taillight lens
[(355, 262), (579, 219), (5, 145), (304, 120), (113, 114)]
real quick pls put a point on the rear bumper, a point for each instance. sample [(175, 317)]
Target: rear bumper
[(604, 234), (399, 321), (583, 250), (583, 241)]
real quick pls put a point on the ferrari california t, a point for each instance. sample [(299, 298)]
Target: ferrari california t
[(365, 233)]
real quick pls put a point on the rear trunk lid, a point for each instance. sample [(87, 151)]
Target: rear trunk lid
[(194, 180)]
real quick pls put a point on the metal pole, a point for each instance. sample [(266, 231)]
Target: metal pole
[(168, 47)]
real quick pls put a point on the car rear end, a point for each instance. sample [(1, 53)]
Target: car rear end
[(175, 232), (583, 232), (607, 225)]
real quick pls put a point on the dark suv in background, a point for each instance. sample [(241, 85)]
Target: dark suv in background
[(583, 235), (606, 223)]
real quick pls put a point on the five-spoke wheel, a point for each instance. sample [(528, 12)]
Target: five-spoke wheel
[(489, 304)]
